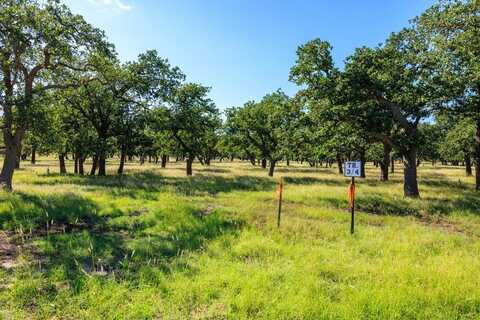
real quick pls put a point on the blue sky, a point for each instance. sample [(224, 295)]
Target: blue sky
[(243, 49)]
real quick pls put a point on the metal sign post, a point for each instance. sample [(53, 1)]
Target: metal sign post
[(351, 195), (352, 169)]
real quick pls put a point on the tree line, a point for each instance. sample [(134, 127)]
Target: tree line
[(413, 98)]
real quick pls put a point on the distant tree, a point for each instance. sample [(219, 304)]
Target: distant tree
[(294, 135), (191, 117), (208, 149), (263, 126), (99, 102), (151, 81), (228, 147), (163, 141), (235, 141), (431, 138), (37, 137), (459, 144)]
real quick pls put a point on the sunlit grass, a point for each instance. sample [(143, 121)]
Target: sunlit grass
[(156, 244)]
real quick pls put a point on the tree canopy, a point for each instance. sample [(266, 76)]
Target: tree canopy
[(414, 97)]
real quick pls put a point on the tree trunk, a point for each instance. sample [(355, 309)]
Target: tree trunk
[(385, 162), (288, 162), (392, 165), (19, 154), (102, 170), (142, 159), (18, 159), (94, 165), (81, 160), (362, 164), (123, 155), (34, 154), (410, 184), (12, 139), (75, 165), (339, 164), (9, 163), (272, 168), (264, 163), (61, 159), (164, 160), (468, 164), (189, 166)]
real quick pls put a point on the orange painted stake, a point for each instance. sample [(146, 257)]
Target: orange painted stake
[(280, 198)]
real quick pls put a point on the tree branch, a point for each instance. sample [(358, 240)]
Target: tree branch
[(396, 111)]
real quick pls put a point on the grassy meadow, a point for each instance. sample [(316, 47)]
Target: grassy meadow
[(155, 244)]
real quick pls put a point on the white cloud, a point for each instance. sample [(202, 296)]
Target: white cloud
[(115, 4), (123, 6)]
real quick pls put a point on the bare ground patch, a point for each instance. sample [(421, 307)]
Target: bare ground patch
[(445, 225), (8, 252)]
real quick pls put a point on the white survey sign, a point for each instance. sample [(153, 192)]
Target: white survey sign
[(352, 169)]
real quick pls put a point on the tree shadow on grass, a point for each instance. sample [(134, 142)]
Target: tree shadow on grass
[(126, 254), (380, 204), (373, 204), (147, 185), (198, 184), (313, 180), (95, 245), (185, 237), (384, 205), (340, 181), (329, 171), (214, 170), (466, 203), (28, 212), (446, 184)]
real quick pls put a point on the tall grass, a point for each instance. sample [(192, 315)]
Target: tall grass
[(157, 245)]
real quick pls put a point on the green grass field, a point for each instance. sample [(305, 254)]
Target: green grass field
[(155, 244)]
